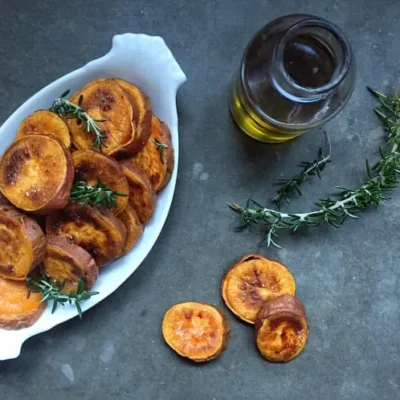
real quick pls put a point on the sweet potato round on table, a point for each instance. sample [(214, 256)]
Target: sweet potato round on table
[(90, 166), (142, 114), (67, 263), (22, 243), (196, 331), (44, 122), (97, 231), (104, 99), (134, 228), (17, 311), (156, 159), (252, 281), (36, 174), (141, 193), (281, 328)]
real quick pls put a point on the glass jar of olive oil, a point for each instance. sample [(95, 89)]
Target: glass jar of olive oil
[(296, 73)]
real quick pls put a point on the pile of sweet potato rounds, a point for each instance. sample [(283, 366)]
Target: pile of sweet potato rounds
[(41, 228)]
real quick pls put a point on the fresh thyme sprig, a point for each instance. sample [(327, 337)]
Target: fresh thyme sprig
[(291, 186), (381, 179), (99, 195), (64, 108), (160, 148), (52, 291)]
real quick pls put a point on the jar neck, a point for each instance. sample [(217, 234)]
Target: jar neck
[(310, 60)]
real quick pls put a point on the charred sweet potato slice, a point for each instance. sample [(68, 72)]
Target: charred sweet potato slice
[(104, 99), (252, 281), (47, 123), (196, 331), (36, 174), (141, 194), (134, 228), (22, 243), (157, 157), (281, 328), (142, 114), (90, 166), (97, 231), (66, 263), (17, 311)]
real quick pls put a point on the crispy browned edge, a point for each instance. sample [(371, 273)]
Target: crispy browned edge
[(80, 256), (129, 244), (134, 169), (225, 338), (285, 305), (137, 143), (168, 154), (33, 232)]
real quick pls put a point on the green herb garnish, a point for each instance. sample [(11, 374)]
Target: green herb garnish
[(160, 148)]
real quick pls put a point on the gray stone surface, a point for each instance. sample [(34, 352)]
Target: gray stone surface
[(348, 279)]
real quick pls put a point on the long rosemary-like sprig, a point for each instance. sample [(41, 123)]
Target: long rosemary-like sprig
[(52, 291), (99, 195), (64, 108), (381, 179), (292, 186)]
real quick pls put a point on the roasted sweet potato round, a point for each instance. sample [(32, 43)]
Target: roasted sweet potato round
[(197, 331), (156, 159), (99, 232), (141, 194), (252, 281), (66, 263), (22, 243), (17, 311), (281, 328), (134, 228), (90, 166), (44, 122), (142, 114), (36, 174), (105, 100)]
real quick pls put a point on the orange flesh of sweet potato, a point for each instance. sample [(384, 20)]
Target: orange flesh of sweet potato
[(47, 123), (142, 114), (67, 262), (36, 174), (97, 231), (141, 194), (104, 99), (91, 166), (196, 331), (17, 311), (252, 281), (281, 329), (134, 228), (22, 243), (157, 164)]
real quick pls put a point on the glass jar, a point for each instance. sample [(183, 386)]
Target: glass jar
[(297, 73)]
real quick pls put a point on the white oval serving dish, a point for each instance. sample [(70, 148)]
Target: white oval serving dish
[(147, 62)]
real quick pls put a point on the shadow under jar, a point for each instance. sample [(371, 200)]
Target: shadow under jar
[(297, 73)]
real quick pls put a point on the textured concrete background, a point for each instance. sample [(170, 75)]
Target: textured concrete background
[(348, 279)]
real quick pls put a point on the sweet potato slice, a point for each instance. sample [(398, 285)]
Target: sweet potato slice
[(17, 311), (252, 281), (97, 231), (44, 122), (90, 166), (66, 263), (197, 331), (157, 157), (141, 194), (281, 328), (36, 174), (134, 228), (142, 114), (104, 99), (22, 243)]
